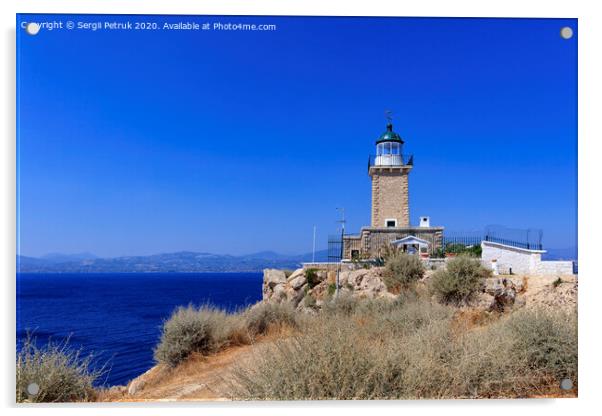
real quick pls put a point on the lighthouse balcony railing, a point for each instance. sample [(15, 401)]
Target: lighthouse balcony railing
[(390, 160)]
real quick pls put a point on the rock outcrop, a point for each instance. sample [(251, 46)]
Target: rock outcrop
[(320, 284), (308, 289), (502, 292)]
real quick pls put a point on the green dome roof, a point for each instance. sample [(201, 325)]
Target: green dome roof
[(389, 136)]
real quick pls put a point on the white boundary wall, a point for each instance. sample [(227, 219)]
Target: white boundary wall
[(522, 261)]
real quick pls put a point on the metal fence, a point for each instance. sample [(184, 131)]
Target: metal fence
[(530, 239), (465, 238), (522, 238), (335, 248)]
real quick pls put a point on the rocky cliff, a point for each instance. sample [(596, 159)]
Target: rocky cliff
[(308, 289)]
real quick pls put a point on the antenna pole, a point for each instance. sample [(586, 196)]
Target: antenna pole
[(313, 252), (342, 221)]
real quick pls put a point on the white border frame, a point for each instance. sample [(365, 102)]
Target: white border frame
[(590, 92)]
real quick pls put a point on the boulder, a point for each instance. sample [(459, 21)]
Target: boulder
[(138, 384), (295, 296), (321, 275), (518, 282), (503, 290), (297, 282), (485, 301), (296, 274), (356, 277), (279, 293), (273, 277), (371, 285), (319, 291)]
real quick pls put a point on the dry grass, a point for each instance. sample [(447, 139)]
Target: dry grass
[(354, 348), (204, 330), (61, 373), (263, 317), (412, 349)]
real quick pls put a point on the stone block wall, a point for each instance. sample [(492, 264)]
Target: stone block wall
[(372, 240), (555, 267), (390, 196)]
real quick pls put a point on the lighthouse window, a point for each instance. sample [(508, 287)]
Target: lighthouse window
[(379, 149), (395, 148), (387, 148)]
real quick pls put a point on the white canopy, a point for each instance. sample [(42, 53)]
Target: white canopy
[(410, 240)]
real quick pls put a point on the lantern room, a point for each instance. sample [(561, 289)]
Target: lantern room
[(389, 147)]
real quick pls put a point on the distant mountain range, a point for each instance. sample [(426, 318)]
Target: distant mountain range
[(183, 261), (188, 261)]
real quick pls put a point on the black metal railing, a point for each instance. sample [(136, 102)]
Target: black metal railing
[(530, 239), (390, 160)]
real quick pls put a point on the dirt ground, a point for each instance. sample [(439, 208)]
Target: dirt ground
[(198, 378)]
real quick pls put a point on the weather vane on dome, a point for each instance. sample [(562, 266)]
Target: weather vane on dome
[(389, 115)]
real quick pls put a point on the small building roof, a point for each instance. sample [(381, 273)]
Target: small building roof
[(410, 239)]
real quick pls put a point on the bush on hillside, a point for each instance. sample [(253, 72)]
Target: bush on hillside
[(203, 330), (459, 281), (264, 315), (61, 374), (401, 270)]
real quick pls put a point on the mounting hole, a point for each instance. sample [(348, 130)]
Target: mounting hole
[(33, 389), (566, 384), (566, 32), (32, 28)]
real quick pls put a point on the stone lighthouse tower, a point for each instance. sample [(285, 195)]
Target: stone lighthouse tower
[(389, 170)]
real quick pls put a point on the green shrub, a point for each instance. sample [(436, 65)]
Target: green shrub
[(260, 317), (459, 281), (557, 282), (204, 330), (332, 289), (312, 278), (458, 248), (401, 270), (60, 372)]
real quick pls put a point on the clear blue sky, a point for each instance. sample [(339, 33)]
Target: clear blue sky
[(140, 142)]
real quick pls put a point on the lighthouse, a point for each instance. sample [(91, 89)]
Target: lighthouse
[(389, 171)]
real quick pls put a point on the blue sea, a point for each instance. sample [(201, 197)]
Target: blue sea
[(117, 317)]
